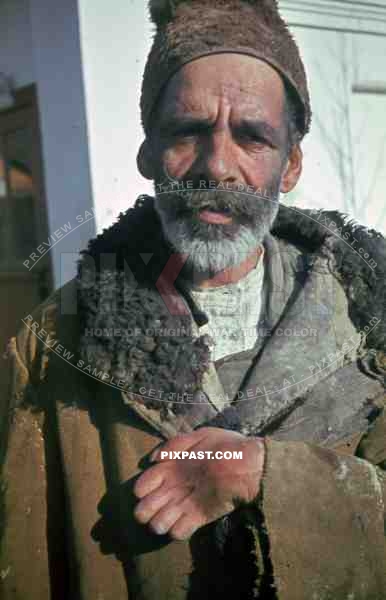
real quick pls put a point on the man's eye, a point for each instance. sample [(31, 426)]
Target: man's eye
[(254, 139), (254, 142)]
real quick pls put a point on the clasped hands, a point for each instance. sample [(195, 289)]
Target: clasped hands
[(178, 496)]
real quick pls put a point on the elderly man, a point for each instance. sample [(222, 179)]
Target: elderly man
[(201, 410)]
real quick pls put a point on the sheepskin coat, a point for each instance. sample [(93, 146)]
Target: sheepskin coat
[(85, 412)]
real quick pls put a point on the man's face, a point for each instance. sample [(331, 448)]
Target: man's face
[(221, 119)]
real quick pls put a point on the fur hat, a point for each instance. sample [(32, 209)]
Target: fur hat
[(189, 29)]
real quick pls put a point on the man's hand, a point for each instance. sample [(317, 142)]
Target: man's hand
[(178, 496)]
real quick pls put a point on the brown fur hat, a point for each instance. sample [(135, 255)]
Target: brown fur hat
[(189, 29)]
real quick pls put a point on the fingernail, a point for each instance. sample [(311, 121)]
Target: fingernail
[(160, 528), (154, 456)]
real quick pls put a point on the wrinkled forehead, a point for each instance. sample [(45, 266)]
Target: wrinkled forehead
[(250, 87)]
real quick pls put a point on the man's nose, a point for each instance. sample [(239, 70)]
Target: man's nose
[(218, 161)]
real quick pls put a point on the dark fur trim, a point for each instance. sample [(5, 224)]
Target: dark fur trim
[(122, 296)]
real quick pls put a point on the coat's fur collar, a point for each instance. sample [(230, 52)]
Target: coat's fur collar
[(346, 243), (176, 363)]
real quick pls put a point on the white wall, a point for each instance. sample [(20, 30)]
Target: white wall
[(58, 71), (114, 45), (354, 122), (15, 42)]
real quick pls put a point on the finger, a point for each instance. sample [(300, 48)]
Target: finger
[(181, 442), (153, 503), (185, 526), (166, 517), (149, 481)]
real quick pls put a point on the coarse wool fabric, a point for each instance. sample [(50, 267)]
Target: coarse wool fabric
[(186, 31)]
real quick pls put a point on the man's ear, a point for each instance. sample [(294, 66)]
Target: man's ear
[(293, 169), (145, 161)]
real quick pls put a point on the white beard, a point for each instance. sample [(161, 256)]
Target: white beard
[(211, 256)]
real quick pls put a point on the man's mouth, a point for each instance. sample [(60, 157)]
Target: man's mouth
[(215, 217)]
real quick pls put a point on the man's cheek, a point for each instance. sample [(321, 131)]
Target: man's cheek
[(177, 161), (264, 173)]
